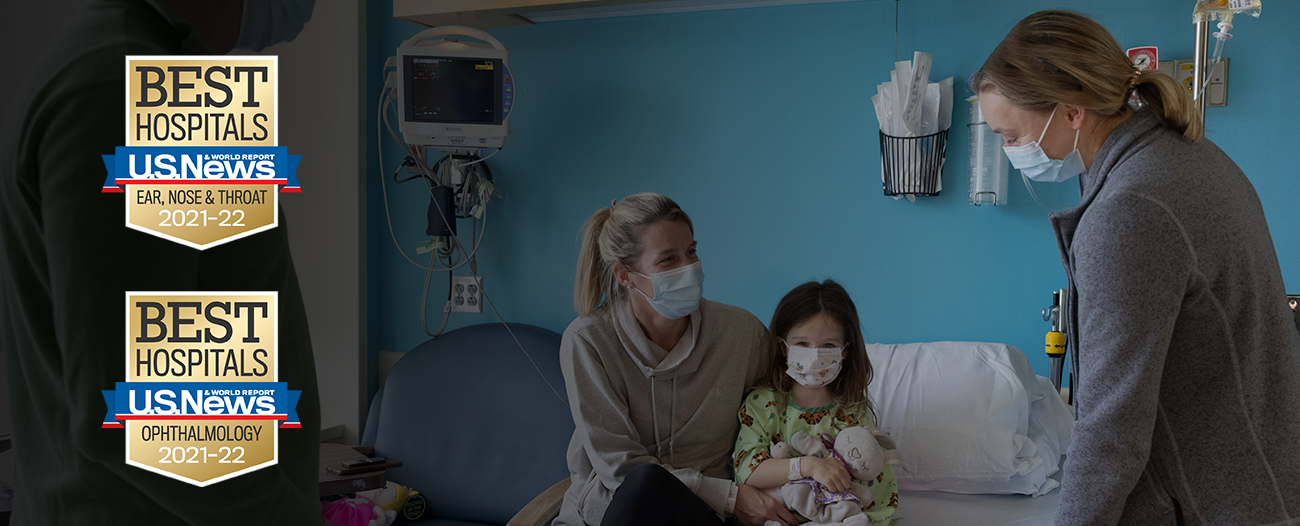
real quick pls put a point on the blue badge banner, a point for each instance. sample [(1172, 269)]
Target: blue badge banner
[(202, 401), (200, 164)]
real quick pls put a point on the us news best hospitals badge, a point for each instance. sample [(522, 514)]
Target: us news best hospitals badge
[(201, 402), (201, 166)]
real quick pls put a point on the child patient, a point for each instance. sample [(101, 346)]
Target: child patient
[(816, 383)]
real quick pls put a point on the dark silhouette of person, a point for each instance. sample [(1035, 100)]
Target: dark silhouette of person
[(68, 261)]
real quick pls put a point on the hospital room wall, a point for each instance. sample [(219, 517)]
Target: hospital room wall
[(321, 74), (757, 121)]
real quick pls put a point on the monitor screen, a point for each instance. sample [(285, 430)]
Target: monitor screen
[(453, 90)]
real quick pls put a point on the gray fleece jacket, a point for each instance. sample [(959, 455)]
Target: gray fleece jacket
[(636, 403), (1187, 361)]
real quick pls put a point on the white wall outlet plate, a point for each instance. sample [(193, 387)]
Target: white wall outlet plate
[(467, 294)]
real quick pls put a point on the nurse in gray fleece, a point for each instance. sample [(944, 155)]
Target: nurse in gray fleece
[(1186, 359), (654, 374)]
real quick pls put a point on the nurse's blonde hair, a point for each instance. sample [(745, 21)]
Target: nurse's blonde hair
[(613, 235), (1054, 57)]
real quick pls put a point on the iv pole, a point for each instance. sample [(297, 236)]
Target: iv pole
[(1198, 66)]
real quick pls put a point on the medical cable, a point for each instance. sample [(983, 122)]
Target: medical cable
[(424, 302), (455, 239), (384, 103), (477, 244), (424, 298), (386, 99), (409, 161), (471, 188), (1220, 36), (379, 140), (521, 346)]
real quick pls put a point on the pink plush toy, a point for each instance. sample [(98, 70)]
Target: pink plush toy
[(359, 511)]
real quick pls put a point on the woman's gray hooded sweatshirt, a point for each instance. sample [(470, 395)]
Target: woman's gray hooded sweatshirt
[(1187, 360), (635, 403)]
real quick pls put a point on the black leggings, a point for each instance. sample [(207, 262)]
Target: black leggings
[(650, 495)]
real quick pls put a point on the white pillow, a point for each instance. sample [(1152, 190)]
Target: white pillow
[(968, 417)]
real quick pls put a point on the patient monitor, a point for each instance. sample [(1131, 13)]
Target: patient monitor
[(453, 94)]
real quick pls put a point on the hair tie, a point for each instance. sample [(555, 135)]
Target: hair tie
[(612, 202), (1131, 92)]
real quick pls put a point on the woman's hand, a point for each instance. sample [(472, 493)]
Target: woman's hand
[(754, 508), (828, 471)]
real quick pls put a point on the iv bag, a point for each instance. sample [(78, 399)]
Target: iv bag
[(1212, 10)]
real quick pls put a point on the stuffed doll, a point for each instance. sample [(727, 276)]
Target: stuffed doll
[(864, 452)]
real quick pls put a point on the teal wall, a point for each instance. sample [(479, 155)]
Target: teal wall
[(758, 122)]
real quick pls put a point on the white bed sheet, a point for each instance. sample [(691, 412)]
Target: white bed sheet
[(934, 508)]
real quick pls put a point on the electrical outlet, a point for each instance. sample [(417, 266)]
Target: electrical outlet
[(467, 294)]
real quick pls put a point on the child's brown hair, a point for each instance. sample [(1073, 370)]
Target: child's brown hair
[(800, 305)]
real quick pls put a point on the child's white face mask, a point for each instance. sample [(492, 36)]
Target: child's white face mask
[(814, 366)]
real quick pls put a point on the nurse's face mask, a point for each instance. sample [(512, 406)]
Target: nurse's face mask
[(1034, 163)]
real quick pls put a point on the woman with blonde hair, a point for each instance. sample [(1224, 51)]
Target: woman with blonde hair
[(654, 374), (1186, 363)]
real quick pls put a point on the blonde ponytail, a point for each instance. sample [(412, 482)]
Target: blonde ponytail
[(1170, 103), (590, 284), (1054, 57), (613, 235)]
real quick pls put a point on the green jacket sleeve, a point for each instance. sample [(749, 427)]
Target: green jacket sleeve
[(758, 427)]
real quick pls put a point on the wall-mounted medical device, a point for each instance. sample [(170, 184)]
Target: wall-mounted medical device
[(453, 94), (1216, 86), (451, 100)]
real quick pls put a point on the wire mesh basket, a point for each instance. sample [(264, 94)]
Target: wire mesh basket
[(912, 165)]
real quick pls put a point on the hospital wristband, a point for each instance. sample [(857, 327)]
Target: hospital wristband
[(731, 498), (795, 472)]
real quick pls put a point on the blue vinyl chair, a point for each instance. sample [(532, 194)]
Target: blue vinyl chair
[(480, 434)]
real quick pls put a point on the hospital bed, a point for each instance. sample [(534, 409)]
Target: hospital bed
[(972, 460), (941, 508), (922, 508), (1006, 441)]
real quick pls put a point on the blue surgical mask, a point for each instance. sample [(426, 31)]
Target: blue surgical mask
[(1034, 163), (677, 291), (270, 22)]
